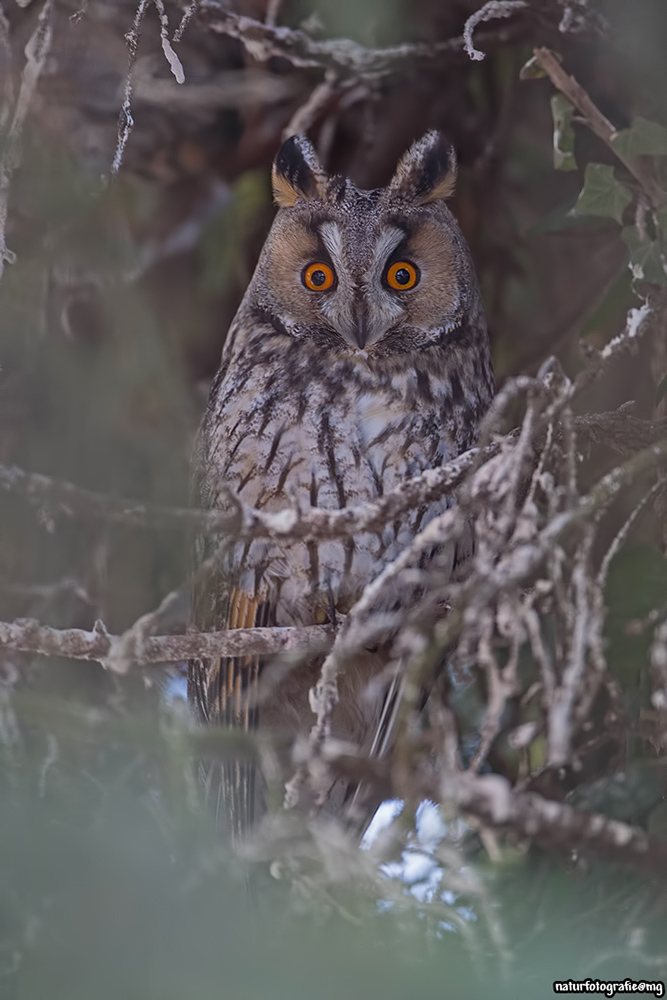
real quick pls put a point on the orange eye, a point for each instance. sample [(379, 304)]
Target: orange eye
[(318, 277), (402, 275)]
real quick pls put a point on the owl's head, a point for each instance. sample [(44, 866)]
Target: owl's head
[(373, 272)]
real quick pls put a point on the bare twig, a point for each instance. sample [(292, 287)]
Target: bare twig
[(623, 532), (98, 645), (188, 14), (79, 14), (490, 11), (319, 101), (125, 119), (342, 56), (561, 707), (241, 521), (169, 54), (619, 429), (555, 824), (273, 12)]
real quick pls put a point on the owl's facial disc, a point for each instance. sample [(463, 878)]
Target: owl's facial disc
[(392, 279), (361, 278)]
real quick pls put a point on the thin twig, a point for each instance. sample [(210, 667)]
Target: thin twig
[(554, 824), (341, 55), (273, 12), (623, 532), (188, 14), (125, 119), (241, 521), (169, 54), (490, 11), (98, 645)]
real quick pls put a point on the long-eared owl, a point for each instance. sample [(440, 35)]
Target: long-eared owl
[(358, 357)]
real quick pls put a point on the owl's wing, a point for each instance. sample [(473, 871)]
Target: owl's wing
[(224, 691)]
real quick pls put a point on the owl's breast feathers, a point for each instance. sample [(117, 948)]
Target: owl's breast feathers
[(291, 423)]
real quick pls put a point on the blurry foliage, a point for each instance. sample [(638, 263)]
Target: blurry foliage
[(637, 584), (562, 110), (644, 138), (222, 265), (114, 883)]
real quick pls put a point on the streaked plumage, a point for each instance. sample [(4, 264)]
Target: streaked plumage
[(332, 397)]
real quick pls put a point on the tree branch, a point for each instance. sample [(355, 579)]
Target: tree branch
[(242, 521), (340, 55), (491, 799), (28, 636)]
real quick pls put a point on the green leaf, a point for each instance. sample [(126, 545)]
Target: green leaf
[(562, 110), (645, 138), (602, 194), (645, 258), (531, 70), (661, 391)]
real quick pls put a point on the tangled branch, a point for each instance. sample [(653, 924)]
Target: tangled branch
[(345, 58)]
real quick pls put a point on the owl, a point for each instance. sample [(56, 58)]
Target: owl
[(359, 357)]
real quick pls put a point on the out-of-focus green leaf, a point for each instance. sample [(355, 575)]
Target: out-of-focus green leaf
[(219, 246), (645, 138), (531, 70), (661, 391), (562, 110), (657, 821), (563, 217), (627, 796), (602, 194), (615, 303), (645, 258)]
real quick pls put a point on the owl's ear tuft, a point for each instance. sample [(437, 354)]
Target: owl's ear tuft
[(427, 172), (297, 173)]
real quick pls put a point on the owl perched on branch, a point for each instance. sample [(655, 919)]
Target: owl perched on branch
[(358, 358)]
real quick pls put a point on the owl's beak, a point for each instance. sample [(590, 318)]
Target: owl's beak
[(360, 323)]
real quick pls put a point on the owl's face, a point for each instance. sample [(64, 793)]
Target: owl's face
[(366, 272)]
